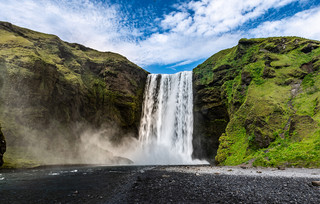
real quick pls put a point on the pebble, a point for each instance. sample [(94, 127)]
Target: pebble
[(315, 183)]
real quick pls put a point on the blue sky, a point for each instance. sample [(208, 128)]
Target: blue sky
[(165, 36)]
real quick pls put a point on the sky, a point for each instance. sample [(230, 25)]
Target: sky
[(165, 36)]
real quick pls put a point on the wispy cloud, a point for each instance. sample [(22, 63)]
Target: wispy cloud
[(197, 29), (303, 24), (191, 31), (95, 24), (207, 17)]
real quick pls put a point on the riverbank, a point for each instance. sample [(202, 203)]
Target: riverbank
[(159, 184)]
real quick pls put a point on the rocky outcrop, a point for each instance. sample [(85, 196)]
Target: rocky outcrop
[(258, 102), (50, 89), (2, 147), (210, 113)]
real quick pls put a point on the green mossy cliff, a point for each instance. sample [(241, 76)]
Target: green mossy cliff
[(259, 103), (51, 86)]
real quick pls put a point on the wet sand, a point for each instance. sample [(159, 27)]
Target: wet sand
[(158, 184)]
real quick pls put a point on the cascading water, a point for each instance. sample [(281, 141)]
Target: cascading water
[(167, 119)]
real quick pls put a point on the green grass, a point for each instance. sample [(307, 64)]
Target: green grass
[(307, 102), (280, 60), (235, 152), (8, 38), (287, 153)]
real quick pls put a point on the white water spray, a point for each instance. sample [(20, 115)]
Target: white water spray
[(167, 119)]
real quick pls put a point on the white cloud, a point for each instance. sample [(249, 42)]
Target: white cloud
[(218, 16), (178, 48), (303, 24), (194, 30), (197, 29), (88, 22)]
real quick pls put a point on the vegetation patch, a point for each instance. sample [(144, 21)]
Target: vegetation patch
[(17, 157)]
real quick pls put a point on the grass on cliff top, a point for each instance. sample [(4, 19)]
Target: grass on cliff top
[(8, 39), (257, 49), (21, 48), (50, 46)]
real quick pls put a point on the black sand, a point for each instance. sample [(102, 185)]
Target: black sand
[(140, 184)]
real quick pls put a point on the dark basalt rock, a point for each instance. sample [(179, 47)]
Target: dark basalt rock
[(309, 48), (307, 67), (246, 78), (269, 72), (210, 113), (2, 147)]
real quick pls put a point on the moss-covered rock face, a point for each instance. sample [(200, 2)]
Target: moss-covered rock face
[(258, 103), (2, 146), (53, 86)]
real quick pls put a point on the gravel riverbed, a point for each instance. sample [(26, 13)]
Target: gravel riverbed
[(159, 184)]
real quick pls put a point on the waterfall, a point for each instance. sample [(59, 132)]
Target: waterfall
[(166, 125)]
